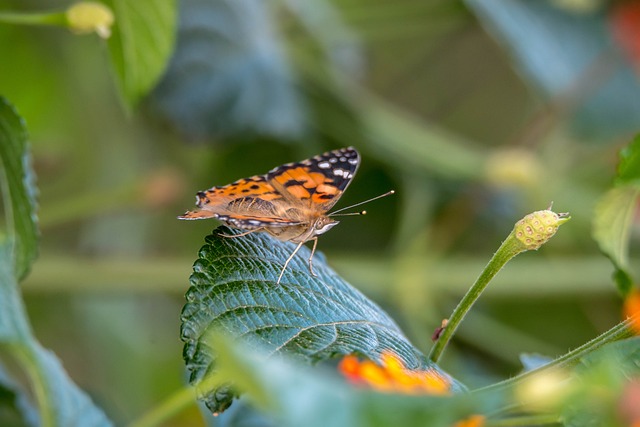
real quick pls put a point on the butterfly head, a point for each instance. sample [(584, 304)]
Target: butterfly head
[(323, 224)]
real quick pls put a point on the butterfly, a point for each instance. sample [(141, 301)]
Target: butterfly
[(290, 202)]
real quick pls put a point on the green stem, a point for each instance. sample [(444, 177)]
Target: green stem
[(26, 355), (53, 18), (171, 406), (619, 332), (507, 250)]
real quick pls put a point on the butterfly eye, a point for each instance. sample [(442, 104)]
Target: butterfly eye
[(325, 225)]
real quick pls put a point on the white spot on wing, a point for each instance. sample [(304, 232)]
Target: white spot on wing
[(324, 165), (338, 172)]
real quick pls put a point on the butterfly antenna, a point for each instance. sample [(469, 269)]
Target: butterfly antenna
[(349, 213), (388, 193)]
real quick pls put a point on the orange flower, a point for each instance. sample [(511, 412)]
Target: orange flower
[(472, 421), (632, 310), (391, 376)]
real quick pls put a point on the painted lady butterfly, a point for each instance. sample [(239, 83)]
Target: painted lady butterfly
[(290, 202)]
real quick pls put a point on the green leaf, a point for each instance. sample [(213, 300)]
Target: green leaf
[(297, 395), (314, 318), (17, 409), (60, 401), (612, 227), (229, 76), (613, 215), (141, 44), (629, 166), (529, 31), (18, 190), (601, 392)]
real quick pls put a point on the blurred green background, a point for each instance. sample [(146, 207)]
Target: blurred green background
[(476, 113)]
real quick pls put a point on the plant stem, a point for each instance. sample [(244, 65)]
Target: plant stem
[(175, 403), (617, 333), (530, 233), (507, 250), (54, 18)]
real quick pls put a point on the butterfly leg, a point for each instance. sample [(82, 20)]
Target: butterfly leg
[(313, 250), (231, 236), (288, 260)]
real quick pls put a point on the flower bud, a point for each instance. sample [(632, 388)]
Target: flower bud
[(88, 17), (535, 229)]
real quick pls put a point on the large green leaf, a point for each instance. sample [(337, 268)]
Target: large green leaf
[(229, 75), (233, 288), (18, 190), (60, 401), (612, 228), (556, 46), (604, 377), (613, 216), (141, 44), (296, 395)]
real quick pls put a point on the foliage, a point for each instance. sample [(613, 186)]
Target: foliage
[(315, 318), (59, 400), (438, 113)]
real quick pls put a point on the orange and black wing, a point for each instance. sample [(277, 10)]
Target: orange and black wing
[(316, 183), (248, 203)]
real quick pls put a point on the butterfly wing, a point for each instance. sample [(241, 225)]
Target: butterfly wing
[(316, 183), (248, 203)]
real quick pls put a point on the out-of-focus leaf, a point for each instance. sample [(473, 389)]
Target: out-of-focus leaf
[(629, 167), (531, 361), (613, 216), (141, 44), (596, 400), (60, 401), (556, 48), (233, 289), (229, 75), (18, 190), (612, 227), (297, 395), (340, 44), (17, 409), (69, 405)]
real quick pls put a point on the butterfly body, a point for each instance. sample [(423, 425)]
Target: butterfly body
[(291, 202)]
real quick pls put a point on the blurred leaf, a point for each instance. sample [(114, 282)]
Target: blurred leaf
[(612, 227), (531, 361), (69, 405), (229, 75), (298, 395), (233, 288), (613, 216), (602, 376), (15, 406), (141, 44), (60, 402), (243, 414), (629, 167), (18, 190), (568, 54)]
